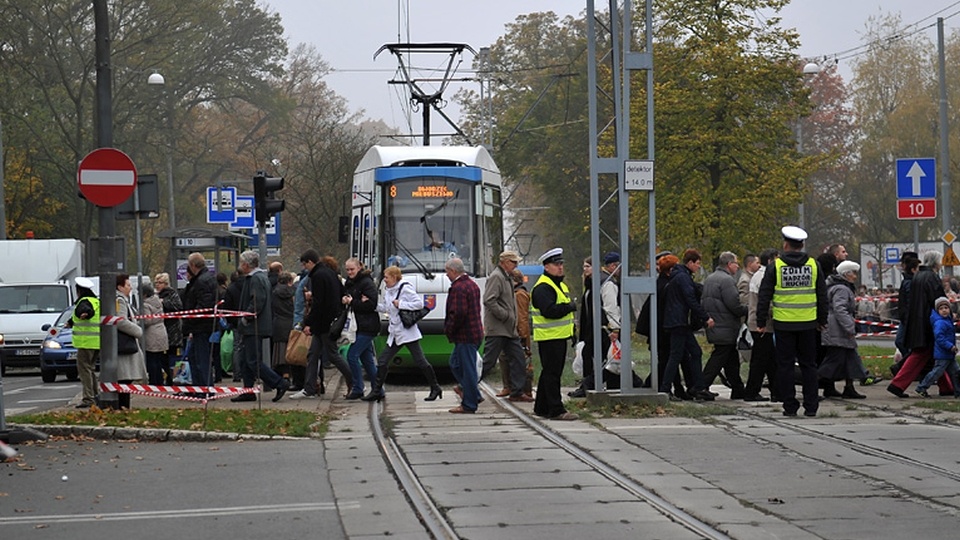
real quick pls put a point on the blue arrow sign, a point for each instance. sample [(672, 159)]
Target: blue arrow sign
[(917, 178), (226, 211)]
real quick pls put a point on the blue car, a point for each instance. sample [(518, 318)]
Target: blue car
[(57, 354)]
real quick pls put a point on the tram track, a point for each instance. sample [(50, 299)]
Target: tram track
[(439, 526)]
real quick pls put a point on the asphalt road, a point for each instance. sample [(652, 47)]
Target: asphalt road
[(24, 392), (69, 489)]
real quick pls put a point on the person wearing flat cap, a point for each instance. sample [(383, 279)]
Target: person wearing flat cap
[(552, 317), (794, 288), (86, 338), (841, 361), (500, 328)]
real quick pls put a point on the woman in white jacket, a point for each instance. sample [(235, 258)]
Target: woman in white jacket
[(399, 295), (130, 367)]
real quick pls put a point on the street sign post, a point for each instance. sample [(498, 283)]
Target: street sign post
[(917, 178), (226, 211), (244, 215), (107, 177)]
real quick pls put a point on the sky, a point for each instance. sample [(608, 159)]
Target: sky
[(348, 33)]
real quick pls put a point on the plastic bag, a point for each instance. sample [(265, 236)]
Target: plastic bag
[(226, 350), (745, 341), (613, 357), (578, 358), (349, 333), (181, 372)]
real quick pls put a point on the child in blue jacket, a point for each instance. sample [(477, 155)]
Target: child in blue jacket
[(944, 348)]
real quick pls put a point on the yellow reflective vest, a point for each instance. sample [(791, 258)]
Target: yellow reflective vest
[(795, 292), (546, 329), (86, 333)]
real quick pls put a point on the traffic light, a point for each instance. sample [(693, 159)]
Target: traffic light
[(265, 200)]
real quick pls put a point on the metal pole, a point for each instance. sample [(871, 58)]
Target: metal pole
[(3, 204), (107, 226), (171, 212), (945, 195), (916, 237), (800, 210)]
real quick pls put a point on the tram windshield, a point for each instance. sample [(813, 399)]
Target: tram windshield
[(429, 220)]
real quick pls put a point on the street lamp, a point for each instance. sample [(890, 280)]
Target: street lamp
[(809, 70), (156, 79)]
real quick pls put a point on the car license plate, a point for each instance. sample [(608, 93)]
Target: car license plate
[(28, 352), (72, 356)]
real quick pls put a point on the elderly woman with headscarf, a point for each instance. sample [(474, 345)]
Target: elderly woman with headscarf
[(842, 360)]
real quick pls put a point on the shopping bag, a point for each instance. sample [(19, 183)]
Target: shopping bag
[(181, 372), (298, 345), (349, 333), (745, 341), (578, 358), (226, 350), (613, 357)]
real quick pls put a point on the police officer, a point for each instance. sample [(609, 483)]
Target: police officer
[(86, 338), (795, 287), (551, 313)]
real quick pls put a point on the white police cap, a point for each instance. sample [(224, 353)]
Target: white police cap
[(794, 233), (86, 283), (554, 255)]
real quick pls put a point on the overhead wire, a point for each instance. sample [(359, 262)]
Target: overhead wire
[(902, 34)]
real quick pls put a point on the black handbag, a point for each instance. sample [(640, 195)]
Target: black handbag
[(336, 327), (410, 317), (127, 344)]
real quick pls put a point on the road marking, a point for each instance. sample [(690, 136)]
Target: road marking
[(52, 400), (13, 411), (178, 514)]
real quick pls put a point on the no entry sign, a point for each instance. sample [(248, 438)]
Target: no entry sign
[(107, 177)]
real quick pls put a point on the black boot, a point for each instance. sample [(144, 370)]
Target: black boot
[(829, 390), (376, 387), (435, 393), (850, 393)]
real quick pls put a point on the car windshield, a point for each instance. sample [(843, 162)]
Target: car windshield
[(33, 299), (64, 317)]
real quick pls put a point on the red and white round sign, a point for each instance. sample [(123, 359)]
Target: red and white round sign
[(107, 177)]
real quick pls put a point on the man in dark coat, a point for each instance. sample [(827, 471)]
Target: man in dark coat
[(325, 305), (682, 306), (925, 288), (200, 293)]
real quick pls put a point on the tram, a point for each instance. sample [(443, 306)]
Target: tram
[(417, 207)]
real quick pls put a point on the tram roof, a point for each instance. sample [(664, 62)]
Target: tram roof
[(386, 156)]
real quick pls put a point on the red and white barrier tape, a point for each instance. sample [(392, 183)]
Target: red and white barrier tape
[(207, 313), (171, 392)]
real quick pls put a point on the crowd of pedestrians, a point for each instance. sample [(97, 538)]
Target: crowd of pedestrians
[(794, 319)]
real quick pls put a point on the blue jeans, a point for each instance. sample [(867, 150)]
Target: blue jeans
[(463, 365), (939, 366), (361, 352), (253, 366), (200, 359)]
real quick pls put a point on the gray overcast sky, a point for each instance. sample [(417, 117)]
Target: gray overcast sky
[(347, 33)]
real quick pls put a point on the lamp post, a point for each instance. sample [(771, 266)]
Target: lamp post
[(809, 70), (156, 79)]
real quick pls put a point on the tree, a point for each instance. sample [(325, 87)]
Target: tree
[(728, 92), (896, 113), (204, 48)]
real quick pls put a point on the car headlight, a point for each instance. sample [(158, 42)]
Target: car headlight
[(51, 344)]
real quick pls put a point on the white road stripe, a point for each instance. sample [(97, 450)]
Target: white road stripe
[(178, 514)]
